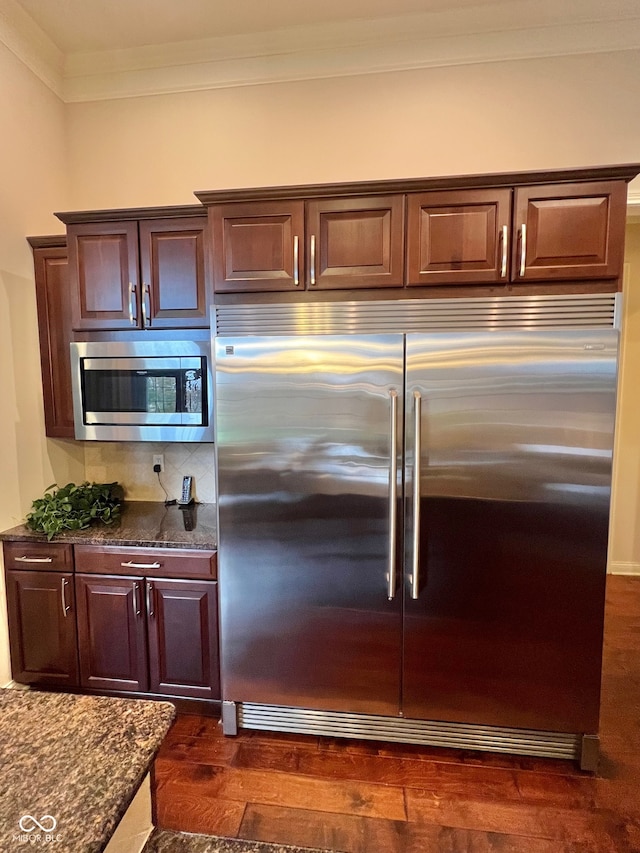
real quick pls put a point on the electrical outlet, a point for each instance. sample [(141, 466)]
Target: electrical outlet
[(158, 460)]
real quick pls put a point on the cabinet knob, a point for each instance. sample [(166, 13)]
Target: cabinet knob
[(146, 306), (312, 262), (503, 265), (133, 317), (136, 604), (296, 260), (523, 249), (150, 599), (25, 559), (63, 595)]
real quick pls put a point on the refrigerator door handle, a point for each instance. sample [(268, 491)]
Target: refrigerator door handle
[(393, 479), (415, 562)]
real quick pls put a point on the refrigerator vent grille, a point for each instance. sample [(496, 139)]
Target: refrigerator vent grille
[(579, 311), (401, 730)]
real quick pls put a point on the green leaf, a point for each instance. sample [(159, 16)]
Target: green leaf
[(74, 507)]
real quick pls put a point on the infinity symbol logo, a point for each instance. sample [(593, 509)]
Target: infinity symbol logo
[(46, 823)]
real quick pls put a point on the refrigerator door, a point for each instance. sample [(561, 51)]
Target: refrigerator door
[(507, 522), (306, 515)]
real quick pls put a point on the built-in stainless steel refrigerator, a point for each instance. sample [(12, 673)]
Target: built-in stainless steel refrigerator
[(413, 526)]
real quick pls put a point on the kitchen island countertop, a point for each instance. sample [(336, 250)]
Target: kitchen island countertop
[(141, 524), (73, 764)]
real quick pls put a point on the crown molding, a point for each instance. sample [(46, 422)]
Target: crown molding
[(325, 52), (24, 38), (498, 31), (633, 204)]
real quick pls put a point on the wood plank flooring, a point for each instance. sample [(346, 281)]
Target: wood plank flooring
[(365, 797)]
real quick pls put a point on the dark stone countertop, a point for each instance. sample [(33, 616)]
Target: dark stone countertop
[(77, 759), (162, 841), (142, 524)]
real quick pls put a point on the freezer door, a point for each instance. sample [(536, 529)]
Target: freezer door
[(507, 520), (306, 509)]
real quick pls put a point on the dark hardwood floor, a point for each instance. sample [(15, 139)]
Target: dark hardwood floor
[(358, 796)]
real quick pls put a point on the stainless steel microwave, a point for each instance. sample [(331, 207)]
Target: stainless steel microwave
[(150, 390)]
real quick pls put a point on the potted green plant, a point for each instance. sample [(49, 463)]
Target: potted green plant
[(75, 507)]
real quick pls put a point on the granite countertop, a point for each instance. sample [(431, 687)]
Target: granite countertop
[(163, 841), (76, 761), (141, 524)]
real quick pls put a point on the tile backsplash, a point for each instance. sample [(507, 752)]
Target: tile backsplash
[(131, 465)]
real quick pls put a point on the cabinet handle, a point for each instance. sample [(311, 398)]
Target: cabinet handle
[(146, 306), (296, 260), (136, 603), (312, 262), (523, 248), (503, 265), (25, 559), (63, 595), (133, 317), (415, 570), (131, 565), (393, 478), (150, 610)]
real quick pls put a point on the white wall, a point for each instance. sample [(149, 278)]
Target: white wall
[(624, 552), (33, 182), (502, 116)]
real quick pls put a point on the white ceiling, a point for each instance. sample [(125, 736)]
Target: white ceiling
[(96, 49), (77, 26)]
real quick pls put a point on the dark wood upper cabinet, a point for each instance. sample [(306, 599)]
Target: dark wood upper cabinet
[(258, 246), (570, 231), (355, 242), (332, 244), (111, 633), (464, 230), (183, 638), (53, 302), (103, 261), (458, 237), (172, 262), (129, 274), (549, 233), (42, 627)]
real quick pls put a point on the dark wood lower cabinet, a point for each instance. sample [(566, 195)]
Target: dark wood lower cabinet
[(182, 632), (111, 633), (150, 634), (42, 628)]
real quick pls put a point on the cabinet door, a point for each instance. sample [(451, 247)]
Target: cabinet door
[(172, 262), (54, 325), (569, 231), (458, 237), (257, 246), (183, 638), (111, 632), (355, 242), (42, 628), (103, 259)]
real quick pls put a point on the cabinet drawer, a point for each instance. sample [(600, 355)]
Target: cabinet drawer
[(38, 556), (140, 562)]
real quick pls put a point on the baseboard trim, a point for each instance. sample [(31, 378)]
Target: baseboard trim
[(622, 568)]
